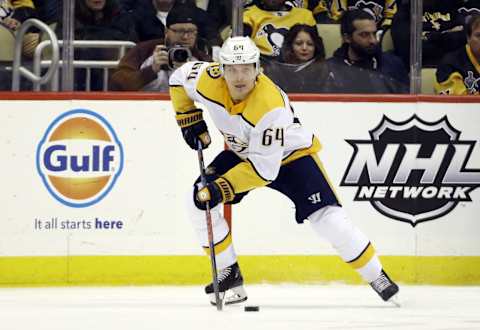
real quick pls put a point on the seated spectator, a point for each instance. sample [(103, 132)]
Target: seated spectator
[(49, 11), (150, 19), (303, 68), (382, 10), (359, 65), (98, 20), (442, 30), (220, 12), (459, 71), (101, 20), (317, 7), (127, 5), (147, 67), (268, 21), (14, 12)]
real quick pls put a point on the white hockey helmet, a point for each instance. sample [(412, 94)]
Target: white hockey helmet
[(239, 50)]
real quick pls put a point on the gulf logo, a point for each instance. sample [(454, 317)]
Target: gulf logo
[(79, 158)]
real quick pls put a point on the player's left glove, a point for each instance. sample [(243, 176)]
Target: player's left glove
[(216, 192)]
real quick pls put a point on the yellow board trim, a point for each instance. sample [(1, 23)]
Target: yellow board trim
[(195, 270), (220, 246), (364, 258)]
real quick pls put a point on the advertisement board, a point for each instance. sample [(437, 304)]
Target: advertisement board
[(110, 178)]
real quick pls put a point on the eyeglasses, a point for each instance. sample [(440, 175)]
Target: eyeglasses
[(183, 32)]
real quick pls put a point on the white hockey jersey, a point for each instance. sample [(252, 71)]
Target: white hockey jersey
[(262, 129)]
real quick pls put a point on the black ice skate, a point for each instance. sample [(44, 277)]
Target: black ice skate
[(385, 287), (229, 278)]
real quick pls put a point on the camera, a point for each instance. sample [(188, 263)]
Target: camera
[(178, 54)]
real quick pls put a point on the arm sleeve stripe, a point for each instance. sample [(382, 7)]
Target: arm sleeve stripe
[(189, 112), (256, 172), (229, 184), (175, 86)]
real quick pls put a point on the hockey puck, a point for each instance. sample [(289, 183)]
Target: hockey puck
[(251, 308)]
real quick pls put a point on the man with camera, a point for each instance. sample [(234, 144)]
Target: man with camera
[(148, 65)]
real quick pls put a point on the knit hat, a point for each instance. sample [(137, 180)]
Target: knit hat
[(182, 14)]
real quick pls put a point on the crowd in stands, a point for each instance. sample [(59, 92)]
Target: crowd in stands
[(170, 32)]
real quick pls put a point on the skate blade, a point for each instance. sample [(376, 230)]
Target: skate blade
[(238, 295), (394, 300), (213, 301)]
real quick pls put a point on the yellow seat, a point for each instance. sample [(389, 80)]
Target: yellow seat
[(332, 39), (428, 80), (7, 42), (387, 41)]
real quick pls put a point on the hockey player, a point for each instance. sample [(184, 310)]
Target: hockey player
[(267, 147)]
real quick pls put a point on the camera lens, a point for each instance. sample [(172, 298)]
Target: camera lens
[(180, 55)]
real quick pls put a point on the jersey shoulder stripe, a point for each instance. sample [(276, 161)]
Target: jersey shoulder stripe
[(211, 85), (265, 97)]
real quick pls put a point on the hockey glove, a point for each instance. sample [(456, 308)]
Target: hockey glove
[(216, 192), (194, 128)]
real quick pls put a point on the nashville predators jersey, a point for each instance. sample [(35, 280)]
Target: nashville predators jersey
[(382, 10), (262, 129), (270, 27), (458, 74)]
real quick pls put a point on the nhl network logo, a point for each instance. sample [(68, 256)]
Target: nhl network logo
[(412, 171)]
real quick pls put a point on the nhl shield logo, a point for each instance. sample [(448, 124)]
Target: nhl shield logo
[(412, 171)]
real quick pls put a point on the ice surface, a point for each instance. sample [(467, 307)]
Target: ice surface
[(293, 307)]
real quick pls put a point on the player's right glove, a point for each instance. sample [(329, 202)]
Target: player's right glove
[(194, 128)]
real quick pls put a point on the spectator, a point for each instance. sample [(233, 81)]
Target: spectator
[(360, 57), (317, 7), (150, 20), (101, 20), (459, 72), (98, 20), (220, 12), (268, 21), (127, 5), (442, 30), (150, 17), (14, 12), (146, 66), (303, 68), (49, 11), (383, 11)]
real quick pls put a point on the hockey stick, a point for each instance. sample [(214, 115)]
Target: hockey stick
[(208, 215)]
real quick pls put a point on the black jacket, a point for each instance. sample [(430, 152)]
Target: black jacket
[(384, 73), (438, 17)]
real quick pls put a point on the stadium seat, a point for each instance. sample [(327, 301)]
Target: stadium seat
[(226, 32), (428, 80), (7, 42), (332, 39), (387, 41)]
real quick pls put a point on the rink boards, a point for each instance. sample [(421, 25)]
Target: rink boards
[(93, 193)]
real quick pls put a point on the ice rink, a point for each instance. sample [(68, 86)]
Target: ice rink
[(292, 307)]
